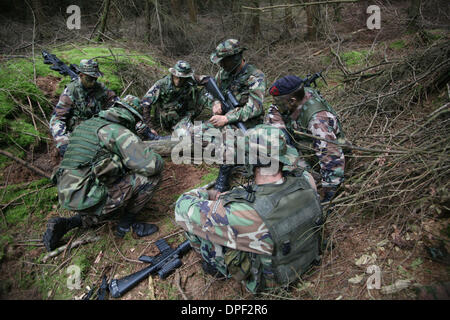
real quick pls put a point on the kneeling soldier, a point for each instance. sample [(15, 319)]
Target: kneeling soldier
[(106, 169), (266, 234), (304, 110)]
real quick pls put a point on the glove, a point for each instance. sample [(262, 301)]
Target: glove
[(62, 149), (328, 193)]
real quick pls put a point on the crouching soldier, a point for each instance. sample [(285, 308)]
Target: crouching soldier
[(81, 99), (107, 172), (177, 100), (299, 109), (266, 234)]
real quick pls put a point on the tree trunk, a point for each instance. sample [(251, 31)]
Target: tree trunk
[(313, 22), (103, 20), (256, 27), (148, 18), (192, 11), (39, 17), (288, 18), (414, 15), (175, 6)]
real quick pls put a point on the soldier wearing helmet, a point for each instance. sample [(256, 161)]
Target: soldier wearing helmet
[(243, 233), (80, 100), (106, 172), (177, 99), (247, 84)]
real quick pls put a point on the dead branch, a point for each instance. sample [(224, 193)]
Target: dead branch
[(22, 162), (283, 6), (75, 244)]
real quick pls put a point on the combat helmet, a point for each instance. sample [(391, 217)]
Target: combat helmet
[(182, 69), (227, 48), (90, 68), (132, 104), (266, 143)]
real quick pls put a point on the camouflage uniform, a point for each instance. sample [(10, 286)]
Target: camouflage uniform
[(324, 124), (124, 172), (247, 85), (231, 234), (77, 103), (174, 106)]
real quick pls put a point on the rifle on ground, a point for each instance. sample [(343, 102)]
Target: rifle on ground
[(162, 264), (60, 66), (228, 101)]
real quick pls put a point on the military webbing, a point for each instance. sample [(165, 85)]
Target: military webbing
[(84, 145), (292, 214)]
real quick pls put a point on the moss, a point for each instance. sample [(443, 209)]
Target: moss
[(397, 45), (108, 64), (17, 85), (38, 203), (351, 58)]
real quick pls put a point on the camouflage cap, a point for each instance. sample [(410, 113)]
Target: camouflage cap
[(182, 69), (225, 49), (90, 68), (266, 143), (132, 104)]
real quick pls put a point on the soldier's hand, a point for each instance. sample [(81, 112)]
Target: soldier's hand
[(153, 131), (218, 121), (213, 194), (217, 108)]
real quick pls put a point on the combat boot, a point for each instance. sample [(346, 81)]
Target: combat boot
[(57, 228), (211, 270), (141, 229), (223, 180)]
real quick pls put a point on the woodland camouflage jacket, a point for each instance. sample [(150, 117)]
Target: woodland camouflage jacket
[(172, 103), (123, 151), (248, 87), (77, 104)]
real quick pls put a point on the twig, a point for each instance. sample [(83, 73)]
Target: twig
[(77, 243), (22, 162), (24, 195), (352, 146), (305, 4), (178, 282)]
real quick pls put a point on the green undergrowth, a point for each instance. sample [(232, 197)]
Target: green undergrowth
[(18, 89), (353, 58), (24, 200)]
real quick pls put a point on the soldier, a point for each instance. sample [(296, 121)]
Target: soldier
[(81, 99), (176, 97), (106, 169), (247, 84), (243, 234), (303, 109)]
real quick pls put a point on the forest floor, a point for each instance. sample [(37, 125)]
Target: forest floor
[(375, 251)]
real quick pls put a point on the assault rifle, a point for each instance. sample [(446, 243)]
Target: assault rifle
[(311, 79), (60, 66), (162, 264), (228, 101)]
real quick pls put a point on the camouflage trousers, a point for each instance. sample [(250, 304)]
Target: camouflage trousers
[(129, 194), (234, 263)]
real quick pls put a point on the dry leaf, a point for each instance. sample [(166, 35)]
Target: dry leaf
[(356, 279)]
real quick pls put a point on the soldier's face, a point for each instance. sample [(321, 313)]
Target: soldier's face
[(286, 104), (87, 81), (229, 63), (178, 82)]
